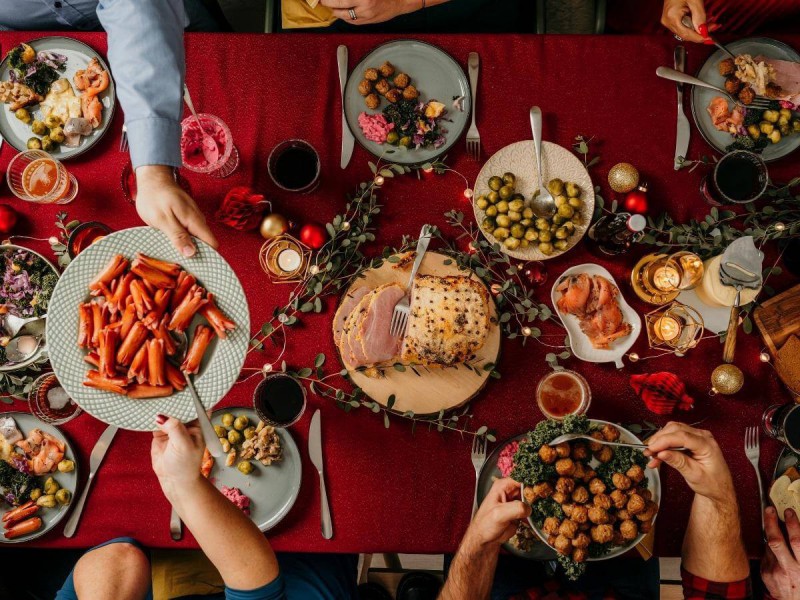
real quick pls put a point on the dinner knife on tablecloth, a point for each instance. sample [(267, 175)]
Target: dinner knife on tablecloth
[(95, 460), (682, 140), (347, 136), (315, 452)]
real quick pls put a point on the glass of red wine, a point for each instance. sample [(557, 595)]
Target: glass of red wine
[(739, 177), (279, 400), (294, 166), (782, 422)]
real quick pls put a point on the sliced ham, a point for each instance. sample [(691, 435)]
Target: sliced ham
[(351, 346), (787, 76), (377, 343), (344, 311)]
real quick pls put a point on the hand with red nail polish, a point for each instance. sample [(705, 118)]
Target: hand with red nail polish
[(675, 10), (780, 567), (176, 453)]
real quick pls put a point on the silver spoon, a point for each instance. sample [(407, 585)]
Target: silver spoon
[(568, 437), (543, 205), (13, 325), (13, 352), (687, 22), (209, 144), (209, 435)]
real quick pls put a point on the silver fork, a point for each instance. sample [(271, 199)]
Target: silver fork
[(478, 458), (123, 142), (397, 327), (473, 137), (760, 102), (752, 449)]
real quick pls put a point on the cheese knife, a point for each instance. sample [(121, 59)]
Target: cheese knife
[(95, 460), (347, 136), (682, 140), (315, 452)]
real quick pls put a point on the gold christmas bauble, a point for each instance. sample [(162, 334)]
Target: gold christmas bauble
[(623, 177), (727, 379), (273, 225)]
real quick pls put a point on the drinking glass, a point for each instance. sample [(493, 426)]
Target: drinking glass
[(40, 404), (552, 398), (192, 152), (279, 400), (782, 422), (738, 177), (294, 166), (35, 176)]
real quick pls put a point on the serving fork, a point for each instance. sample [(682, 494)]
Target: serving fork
[(759, 102), (402, 309), (478, 458), (752, 449), (473, 137)]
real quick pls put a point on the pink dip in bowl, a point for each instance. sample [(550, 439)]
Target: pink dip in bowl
[(375, 127), (505, 462), (205, 156), (236, 496)]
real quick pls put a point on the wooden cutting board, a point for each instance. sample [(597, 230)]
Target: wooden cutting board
[(434, 389), (778, 318)]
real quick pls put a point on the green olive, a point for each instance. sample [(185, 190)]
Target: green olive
[(565, 210), (38, 127), (48, 501), (405, 141), (502, 206), (546, 248), (511, 243), (562, 233), (556, 187), (234, 437), (493, 197), (516, 205), (245, 467), (51, 486), (34, 143), (35, 494), (482, 202), (52, 121), (241, 423), (491, 211), (506, 192), (392, 137), (23, 115), (545, 235), (559, 200), (560, 245), (249, 433), (573, 190), (517, 231), (48, 145), (488, 224), (57, 135), (531, 234), (542, 223), (220, 431), (509, 178), (503, 221), (575, 202), (65, 465), (63, 496), (227, 420), (527, 213), (501, 233), (495, 183)]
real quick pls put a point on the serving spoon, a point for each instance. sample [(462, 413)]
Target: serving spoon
[(543, 204), (210, 149), (568, 437)]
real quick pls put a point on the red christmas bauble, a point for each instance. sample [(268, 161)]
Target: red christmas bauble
[(8, 218), (636, 201), (313, 235), (534, 272)]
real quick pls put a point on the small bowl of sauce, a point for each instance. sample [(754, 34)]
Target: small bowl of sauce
[(84, 235), (563, 393)]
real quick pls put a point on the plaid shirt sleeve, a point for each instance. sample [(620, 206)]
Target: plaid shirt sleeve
[(697, 588)]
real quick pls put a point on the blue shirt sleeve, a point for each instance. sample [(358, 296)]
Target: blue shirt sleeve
[(145, 51), (275, 590)]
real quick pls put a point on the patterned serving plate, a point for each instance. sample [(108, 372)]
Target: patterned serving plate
[(223, 360)]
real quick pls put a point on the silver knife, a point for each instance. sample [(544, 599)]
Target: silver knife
[(95, 460), (347, 135), (315, 452), (682, 140)]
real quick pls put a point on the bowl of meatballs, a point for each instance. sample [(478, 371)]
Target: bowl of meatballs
[(589, 501)]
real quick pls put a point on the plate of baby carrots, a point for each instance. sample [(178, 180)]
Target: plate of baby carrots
[(130, 318)]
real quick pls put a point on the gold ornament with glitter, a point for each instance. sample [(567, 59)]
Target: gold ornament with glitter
[(273, 225), (726, 379), (623, 177)]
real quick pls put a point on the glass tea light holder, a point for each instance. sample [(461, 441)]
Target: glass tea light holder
[(285, 259), (676, 327), (659, 278)]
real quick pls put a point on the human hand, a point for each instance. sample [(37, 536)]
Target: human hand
[(176, 453), (673, 13), (370, 11), (496, 519), (705, 469), (780, 567), (162, 203)]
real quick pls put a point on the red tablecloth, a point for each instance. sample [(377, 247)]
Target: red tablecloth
[(394, 490)]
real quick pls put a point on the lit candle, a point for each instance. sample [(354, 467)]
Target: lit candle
[(667, 328), (666, 278), (289, 260)]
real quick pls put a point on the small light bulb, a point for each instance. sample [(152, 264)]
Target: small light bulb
[(313, 269), (526, 331), (496, 288), (468, 193), (267, 368), (53, 240), (346, 226), (633, 357), (428, 169), (779, 226), (763, 357), (379, 179)]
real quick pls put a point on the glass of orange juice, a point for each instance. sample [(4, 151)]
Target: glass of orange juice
[(35, 176)]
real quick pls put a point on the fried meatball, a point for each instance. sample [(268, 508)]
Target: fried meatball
[(598, 515), (568, 528), (636, 504), (595, 446), (733, 85), (636, 473), (579, 451), (547, 454), (372, 101), (410, 93), (581, 541), (387, 69), (542, 490), (550, 525), (365, 87), (563, 545), (596, 486), (645, 493), (747, 95), (602, 501), (726, 67), (371, 74), (623, 514), (618, 499), (568, 508), (393, 95), (580, 495), (562, 450), (602, 534), (589, 475), (559, 497), (580, 514), (382, 86), (649, 512), (551, 540), (401, 80), (605, 454), (773, 90), (617, 540), (620, 481), (610, 433), (565, 466), (629, 530), (580, 470), (565, 485), (580, 555)]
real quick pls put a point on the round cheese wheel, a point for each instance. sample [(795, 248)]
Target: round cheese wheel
[(714, 293)]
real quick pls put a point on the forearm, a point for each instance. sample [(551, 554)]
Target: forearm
[(472, 571), (712, 546), (229, 539)]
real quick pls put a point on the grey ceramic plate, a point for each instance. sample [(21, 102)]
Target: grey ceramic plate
[(50, 516), (222, 362), (490, 472), (272, 490), (78, 54), (786, 459), (701, 97), (433, 72)]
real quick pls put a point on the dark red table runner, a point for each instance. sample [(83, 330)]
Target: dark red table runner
[(394, 490)]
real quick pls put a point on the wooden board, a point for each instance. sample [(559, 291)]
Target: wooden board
[(778, 318), (434, 389)]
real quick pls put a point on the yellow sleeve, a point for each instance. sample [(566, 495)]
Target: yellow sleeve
[(298, 14)]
